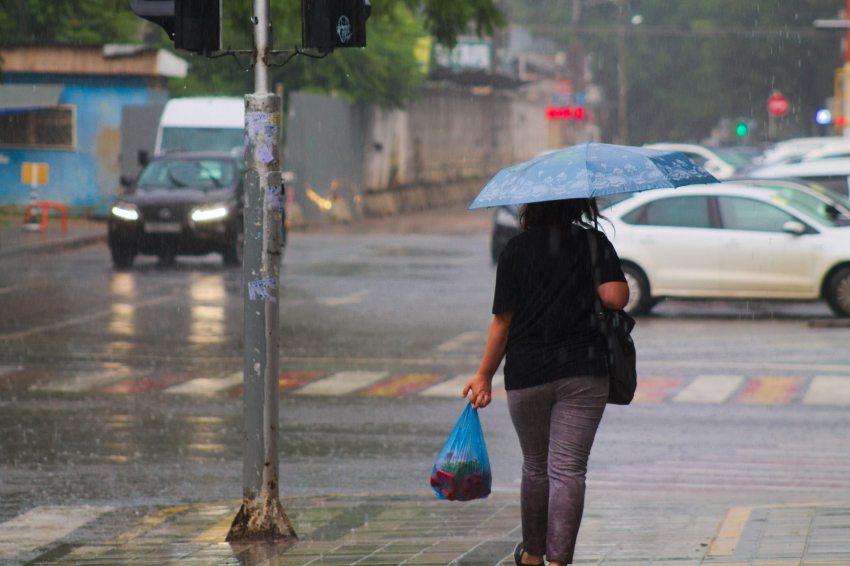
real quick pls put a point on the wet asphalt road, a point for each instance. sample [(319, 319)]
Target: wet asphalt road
[(87, 355)]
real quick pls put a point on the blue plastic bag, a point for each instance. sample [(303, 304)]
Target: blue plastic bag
[(462, 470)]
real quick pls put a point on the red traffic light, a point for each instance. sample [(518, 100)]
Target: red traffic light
[(566, 113)]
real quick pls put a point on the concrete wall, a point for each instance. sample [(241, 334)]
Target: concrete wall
[(441, 149), (87, 176)]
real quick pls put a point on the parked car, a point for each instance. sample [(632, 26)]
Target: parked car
[(795, 148), (729, 241), (826, 202), (830, 173), (506, 223), (721, 166), (180, 204)]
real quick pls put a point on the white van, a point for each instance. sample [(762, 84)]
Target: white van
[(215, 123)]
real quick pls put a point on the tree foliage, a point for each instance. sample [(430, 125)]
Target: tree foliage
[(386, 72), (692, 62)]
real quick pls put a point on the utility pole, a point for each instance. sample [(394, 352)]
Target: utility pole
[(261, 517), (622, 84)]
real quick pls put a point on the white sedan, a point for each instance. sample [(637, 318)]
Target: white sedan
[(730, 241)]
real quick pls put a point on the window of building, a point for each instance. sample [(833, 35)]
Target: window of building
[(52, 128)]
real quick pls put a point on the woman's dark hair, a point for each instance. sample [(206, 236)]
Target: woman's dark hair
[(581, 211)]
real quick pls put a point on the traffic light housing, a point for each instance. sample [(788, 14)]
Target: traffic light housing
[(331, 24), (194, 25)]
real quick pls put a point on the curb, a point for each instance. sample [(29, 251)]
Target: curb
[(51, 247)]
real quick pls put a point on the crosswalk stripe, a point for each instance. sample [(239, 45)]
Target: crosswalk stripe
[(287, 380), (710, 389), (828, 390), (82, 381), (451, 388), (403, 384), (655, 388), (206, 385), (342, 383), (218, 533), (148, 523), (42, 525), (770, 390), (145, 385)]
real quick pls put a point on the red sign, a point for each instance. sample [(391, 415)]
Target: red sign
[(777, 105), (565, 113)]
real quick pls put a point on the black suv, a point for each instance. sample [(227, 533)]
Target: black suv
[(181, 204)]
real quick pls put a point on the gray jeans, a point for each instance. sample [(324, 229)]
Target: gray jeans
[(556, 423)]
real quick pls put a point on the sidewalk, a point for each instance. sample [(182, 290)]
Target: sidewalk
[(15, 240), (394, 529)]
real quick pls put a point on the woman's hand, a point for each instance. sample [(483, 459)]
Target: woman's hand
[(479, 388)]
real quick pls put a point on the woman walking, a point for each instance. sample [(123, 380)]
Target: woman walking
[(549, 282)]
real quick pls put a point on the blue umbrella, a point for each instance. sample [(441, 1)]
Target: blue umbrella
[(591, 170)]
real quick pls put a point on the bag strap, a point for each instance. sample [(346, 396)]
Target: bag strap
[(594, 256)]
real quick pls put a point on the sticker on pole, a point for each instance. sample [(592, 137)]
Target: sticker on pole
[(259, 289)]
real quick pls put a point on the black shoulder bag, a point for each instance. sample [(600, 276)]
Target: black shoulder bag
[(616, 328)]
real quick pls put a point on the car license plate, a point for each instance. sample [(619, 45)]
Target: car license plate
[(163, 227)]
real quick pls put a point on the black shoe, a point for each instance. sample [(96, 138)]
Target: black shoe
[(518, 550)]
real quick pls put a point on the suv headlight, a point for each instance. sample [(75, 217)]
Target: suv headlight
[(505, 218), (125, 211), (207, 213)]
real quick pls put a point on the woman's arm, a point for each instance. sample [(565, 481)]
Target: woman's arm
[(614, 295), (480, 385)]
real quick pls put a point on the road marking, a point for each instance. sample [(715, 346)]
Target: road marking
[(43, 525), (770, 390), (655, 388), (451, 388), (77, 320), (288, 380), (403, 384), (710, 389), (460, 342), (729, 532), (145, 385), (218, 533), (347, 300), (342, 383), (206, 385), (148, 523), (81, 382), (828, 390)]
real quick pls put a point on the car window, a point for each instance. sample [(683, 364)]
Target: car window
[(188, 174), (748, 214), (688, 212), (811, 206)]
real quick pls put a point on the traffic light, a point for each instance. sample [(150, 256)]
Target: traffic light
[(331, 24), (194, 25), (742, 128)]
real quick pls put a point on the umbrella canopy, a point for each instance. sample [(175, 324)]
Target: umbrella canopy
[(591, 170)]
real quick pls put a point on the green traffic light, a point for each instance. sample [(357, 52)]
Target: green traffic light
[(741, 129)]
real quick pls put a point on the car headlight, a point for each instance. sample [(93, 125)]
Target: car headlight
[(505, 218), (205, 214), (125, 211)]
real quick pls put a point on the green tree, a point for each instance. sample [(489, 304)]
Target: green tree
[(692, 62), (386, 72)]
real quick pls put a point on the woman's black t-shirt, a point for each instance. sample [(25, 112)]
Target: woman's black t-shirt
[(544, 276)]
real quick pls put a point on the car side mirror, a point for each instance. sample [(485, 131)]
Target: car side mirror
[(126, 181), (143, 157), (794, 227)]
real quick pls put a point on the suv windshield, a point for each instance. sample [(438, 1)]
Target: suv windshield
[(187, 174)]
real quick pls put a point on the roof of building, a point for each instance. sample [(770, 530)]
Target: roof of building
[(137, 60)]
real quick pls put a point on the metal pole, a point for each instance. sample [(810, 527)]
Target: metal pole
[(261, 517), (621, 75)]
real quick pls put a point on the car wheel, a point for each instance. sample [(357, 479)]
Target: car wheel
[(122, 256), (640, 300), (838, 292), (232, 254)]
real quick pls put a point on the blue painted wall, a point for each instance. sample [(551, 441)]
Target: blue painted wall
[(85, 178)]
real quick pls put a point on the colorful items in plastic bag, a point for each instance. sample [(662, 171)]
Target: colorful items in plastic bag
[(462, 470)]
